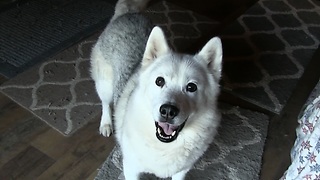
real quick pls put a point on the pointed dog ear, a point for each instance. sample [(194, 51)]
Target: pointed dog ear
[(211, 55), (156, 46)]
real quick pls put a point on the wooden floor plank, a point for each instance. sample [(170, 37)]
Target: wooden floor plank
[(93, 174), (17, 137), (83, 168), (11, 113), (56, 145), (93, 151), (29, 164), (17, 127), (52, 143), (61, 167)]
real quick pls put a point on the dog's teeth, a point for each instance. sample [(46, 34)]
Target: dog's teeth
[(160, 133), (174, 132)]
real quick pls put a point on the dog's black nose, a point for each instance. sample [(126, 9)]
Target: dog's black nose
[(168, 111)]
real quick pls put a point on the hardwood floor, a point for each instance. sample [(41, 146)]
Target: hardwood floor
[(29, 148)]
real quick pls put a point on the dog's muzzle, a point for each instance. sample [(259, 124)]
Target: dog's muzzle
[(165, 130), (164, 137)]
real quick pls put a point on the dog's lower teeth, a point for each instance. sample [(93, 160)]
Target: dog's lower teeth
[(174, 132), (165, 137)]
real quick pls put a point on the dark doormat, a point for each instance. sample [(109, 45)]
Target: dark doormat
[(37, 29), (268, 48)]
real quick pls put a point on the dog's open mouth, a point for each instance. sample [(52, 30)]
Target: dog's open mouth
[(166, 132)]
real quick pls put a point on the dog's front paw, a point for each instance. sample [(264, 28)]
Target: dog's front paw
[(106, 130)]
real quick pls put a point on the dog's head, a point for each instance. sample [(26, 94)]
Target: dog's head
[(177, 87)]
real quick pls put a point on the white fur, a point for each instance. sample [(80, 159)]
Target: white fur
[(101, 73), (137, 109), (134, 120)]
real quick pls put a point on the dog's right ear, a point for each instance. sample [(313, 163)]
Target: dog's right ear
[(156, 46), (211, 55)]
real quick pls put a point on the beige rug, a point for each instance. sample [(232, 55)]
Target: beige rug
[(60, 90)]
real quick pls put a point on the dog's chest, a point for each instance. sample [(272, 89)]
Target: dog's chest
[(163, 160)]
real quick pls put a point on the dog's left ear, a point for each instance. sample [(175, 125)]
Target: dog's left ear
[(156, 46), (211, 54)]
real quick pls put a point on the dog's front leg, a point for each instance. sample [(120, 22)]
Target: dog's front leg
[(106, 121), (180, 175), (130, 170), (105, 92)]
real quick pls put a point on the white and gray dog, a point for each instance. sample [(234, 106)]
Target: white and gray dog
[(164, 103)]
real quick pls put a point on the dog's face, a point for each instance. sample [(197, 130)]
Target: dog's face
[(176, 87)]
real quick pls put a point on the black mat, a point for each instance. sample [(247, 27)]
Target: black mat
[(34, 30)]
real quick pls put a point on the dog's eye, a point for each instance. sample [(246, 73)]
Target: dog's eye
[(191, 87), (160, 81)]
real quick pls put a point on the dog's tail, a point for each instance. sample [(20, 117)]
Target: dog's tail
[(129, 6)]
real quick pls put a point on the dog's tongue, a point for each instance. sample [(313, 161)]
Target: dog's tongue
[(167, 128)]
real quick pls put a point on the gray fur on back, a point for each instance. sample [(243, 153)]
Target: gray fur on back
[(122, 44)]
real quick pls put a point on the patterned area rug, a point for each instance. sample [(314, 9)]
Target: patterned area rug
[(60, 90), (235, 153), (34, 30), (268, 48)]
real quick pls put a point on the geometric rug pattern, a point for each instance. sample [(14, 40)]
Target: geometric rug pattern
[(59, 91), (268, 48), (182, 27)]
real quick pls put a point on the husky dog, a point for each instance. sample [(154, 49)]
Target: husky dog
[(164, 103)]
